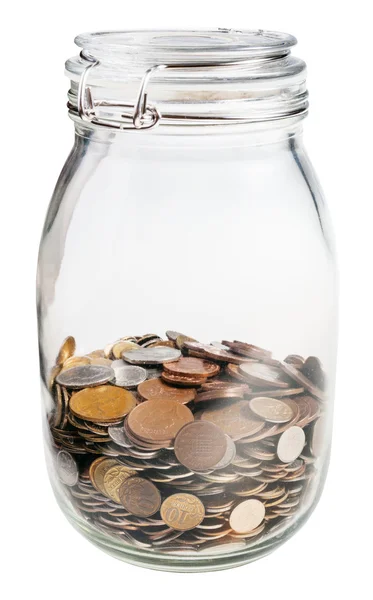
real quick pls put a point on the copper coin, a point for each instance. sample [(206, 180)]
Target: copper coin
[(247, 515), (233, 419), (313, 370), (140, 496), (182, 511), (219, 393), (114, 478), (248, 350), (190, 366), (158, 420), (156, 389), (290, 444), (233, 371), (151, 356), (295, 359), (85, 376), (103, 404), (67, 349), (300, 378), (263, 375), (200, 445), (271, 410), (183, 380)]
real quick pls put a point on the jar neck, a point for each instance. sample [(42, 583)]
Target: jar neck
[(234, 136)]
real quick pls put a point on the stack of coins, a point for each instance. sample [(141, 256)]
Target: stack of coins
[(181, 445)]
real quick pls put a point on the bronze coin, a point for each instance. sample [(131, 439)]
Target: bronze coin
[(190, 366), (313, 370), (140, 496), (263, 375), (182, 380), (182, 511), (158, 420), (248, 350), (102, 404), (209, 351), (114, 478), (200, 445), (97, 472), (302, 380), (67, 349), (234, 419), (156, 389)]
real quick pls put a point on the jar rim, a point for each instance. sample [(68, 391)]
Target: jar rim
[(212, 77), (224, 44)]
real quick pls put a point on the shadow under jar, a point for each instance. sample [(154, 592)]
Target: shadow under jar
[(187, 287)]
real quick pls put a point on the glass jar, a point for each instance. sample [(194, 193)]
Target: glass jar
[(187, 202)]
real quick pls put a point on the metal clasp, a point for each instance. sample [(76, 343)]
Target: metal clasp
[(140, 116)]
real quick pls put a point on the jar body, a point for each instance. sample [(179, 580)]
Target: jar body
[(221, 237)]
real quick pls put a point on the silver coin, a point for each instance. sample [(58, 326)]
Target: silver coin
[(67, 468), (290, 444), (118, 436), (154, 373), (229, 456), (173, 335), (151, 356), (219, 345), (126, 376), (85, 376)]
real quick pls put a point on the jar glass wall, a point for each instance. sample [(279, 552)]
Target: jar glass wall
[(191, 271)]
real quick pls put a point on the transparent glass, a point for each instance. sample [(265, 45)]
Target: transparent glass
[(219, 236)]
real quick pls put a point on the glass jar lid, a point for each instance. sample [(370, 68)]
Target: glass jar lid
[(139, 79)]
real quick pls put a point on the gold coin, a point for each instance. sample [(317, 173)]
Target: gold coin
[(75, 361), (113, 479), (247, 516), (53, 374), (97, 472), (182, 511), (98, 360), (67, 349), (120, 347), (96, 354), (102, 404)]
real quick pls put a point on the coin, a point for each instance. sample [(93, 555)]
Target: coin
[(67, 469), (151, 356), (183, 380), (127, 376), (216, 393), (75, 361), (156, 389), (313, 370), (173, 335), (97, 472), (248, 350), (300, 378), (229, 455), (295, 359), (85, 376), (102, 404), (290, 444), (247, 515), (200, 445), (113, 479), (140, 496), (67, 349), (182, 511), (120, 347), (270, 409), (318, 437), (233, 419), (190, 366), (158, 420), (263, 375), (118, 436)]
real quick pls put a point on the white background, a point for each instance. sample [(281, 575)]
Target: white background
[(44, 556)]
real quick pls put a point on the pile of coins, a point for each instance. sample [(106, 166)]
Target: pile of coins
[(179, 445)]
